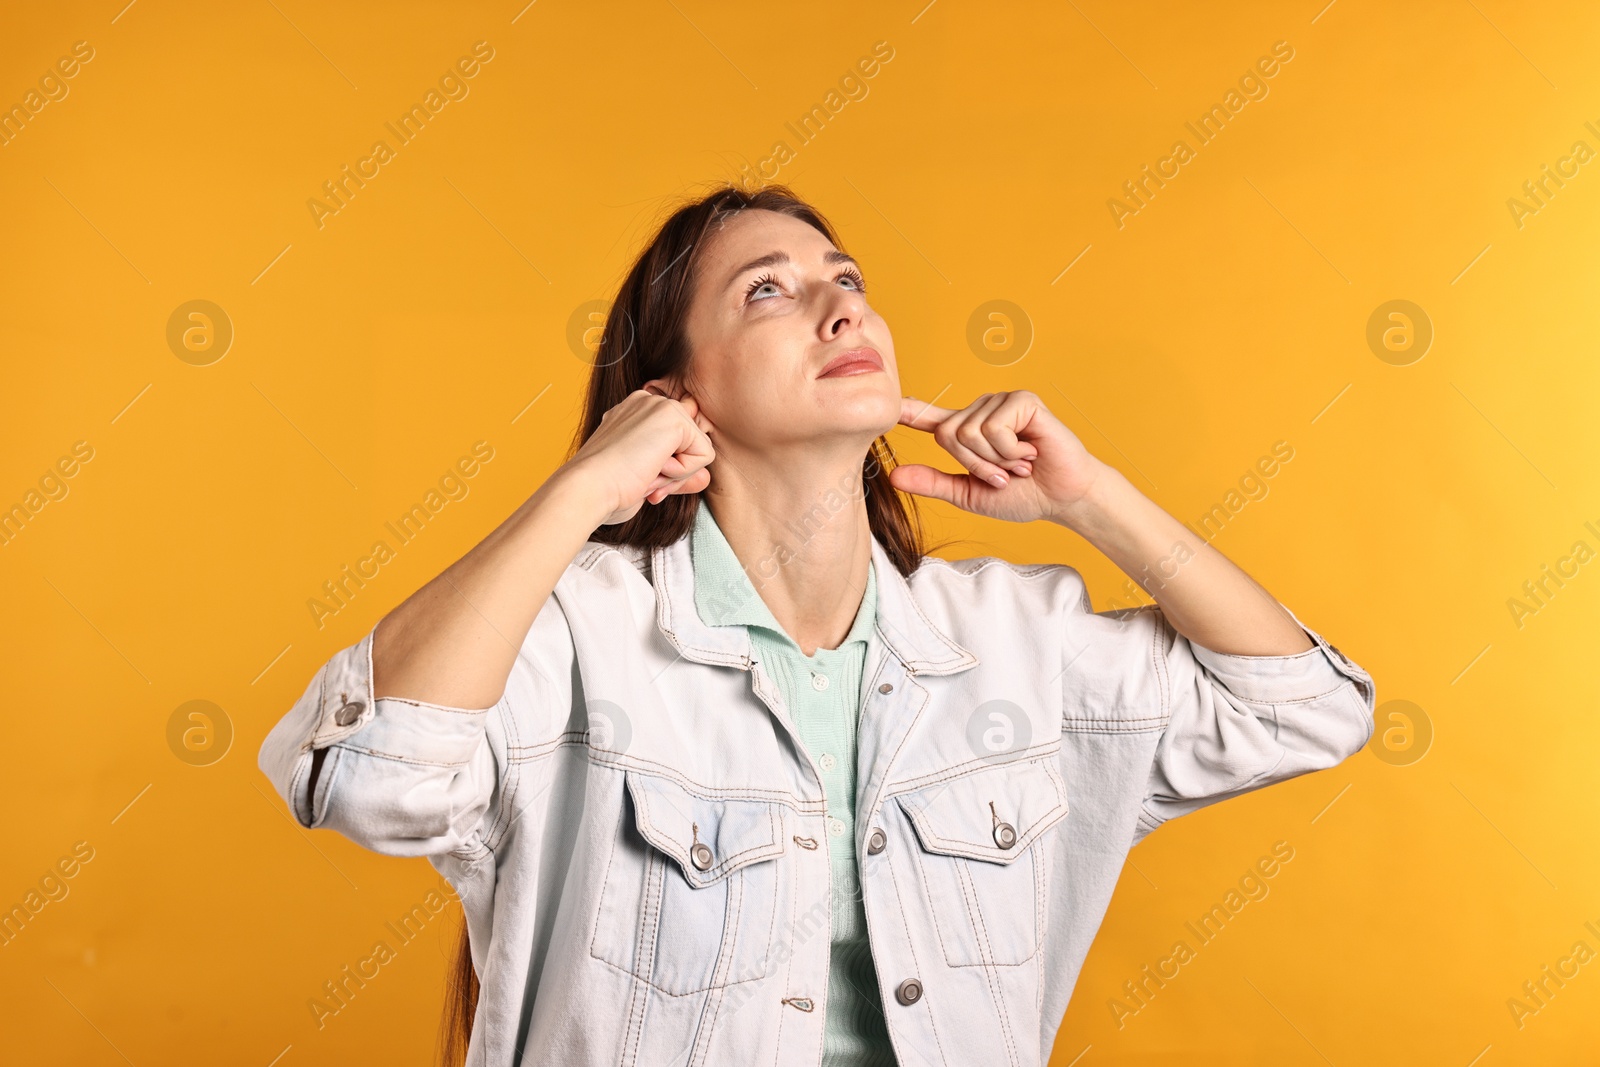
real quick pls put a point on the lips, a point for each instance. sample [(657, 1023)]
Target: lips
[(855, 361)]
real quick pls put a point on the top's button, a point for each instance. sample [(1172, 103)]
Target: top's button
[(827, 761), (819, 682), (349, 713)]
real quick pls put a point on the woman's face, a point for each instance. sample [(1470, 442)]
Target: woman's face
[(774, 304)]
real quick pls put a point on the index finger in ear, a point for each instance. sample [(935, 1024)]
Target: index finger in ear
[(691, 408), (921, 415)]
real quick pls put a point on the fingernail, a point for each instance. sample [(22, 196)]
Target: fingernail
[(999, 480)]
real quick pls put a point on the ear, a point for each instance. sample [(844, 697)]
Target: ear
[(675, 390), (663, 387)]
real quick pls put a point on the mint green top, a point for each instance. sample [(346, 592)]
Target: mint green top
[(823, 695)]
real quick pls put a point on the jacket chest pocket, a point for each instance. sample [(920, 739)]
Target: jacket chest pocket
[(984, 859), (691, 896)]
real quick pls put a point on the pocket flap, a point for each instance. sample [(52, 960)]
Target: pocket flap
[(736, 831), (992, 814)]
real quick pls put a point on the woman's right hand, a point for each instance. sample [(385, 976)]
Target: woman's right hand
[(648, 447)]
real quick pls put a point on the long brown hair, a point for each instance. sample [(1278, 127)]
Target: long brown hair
[(644, 338)]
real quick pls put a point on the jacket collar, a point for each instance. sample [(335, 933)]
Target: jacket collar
[(724, 595), (900, 622)]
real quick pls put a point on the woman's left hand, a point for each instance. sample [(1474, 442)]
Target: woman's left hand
[(1045, 468)]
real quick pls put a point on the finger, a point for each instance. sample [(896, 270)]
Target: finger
[(998, 423), (672, 469), (661, 481), (683, 465), (971, 430), (694, 483), (950, 438), (921, 415), (692, 408), (694, 450), (923, 480), (1017, 413), (690, 405), (991, 473), (661, 491)]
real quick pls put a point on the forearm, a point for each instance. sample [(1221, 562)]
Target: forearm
[(1204, 595), (454, 641)]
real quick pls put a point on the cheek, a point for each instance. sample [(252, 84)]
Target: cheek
[(743, 386), (879, 334), (760, 392)]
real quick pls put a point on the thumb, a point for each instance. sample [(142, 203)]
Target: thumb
[(920, 479)]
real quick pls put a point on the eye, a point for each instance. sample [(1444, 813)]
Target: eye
[(760, 283), (855, 278), (850, 273)]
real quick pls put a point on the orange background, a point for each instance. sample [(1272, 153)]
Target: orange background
[(1228, 314)]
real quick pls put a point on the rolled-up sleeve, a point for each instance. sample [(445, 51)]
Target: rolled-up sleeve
[(1237, 723), (401, 777)]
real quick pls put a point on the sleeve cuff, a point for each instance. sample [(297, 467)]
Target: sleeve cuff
[(404, 729), (1307, 675), (344, 699)]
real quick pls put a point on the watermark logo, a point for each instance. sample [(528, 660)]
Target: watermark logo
[(199, 333), (1252, 486), (1538, 992), (997, 728), (453, 485), (52, 485), (1538, 592), (610, 729), (199, 733), (52, 888), (453, 85), (1538, 192), (1253, 886), (1207, 127), (53, 88), (1399, 333), (586, 330), (852, 86), (338, 992), (1403, 733), (999, 333)]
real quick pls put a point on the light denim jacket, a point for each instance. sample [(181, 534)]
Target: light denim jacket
[(628, 826)]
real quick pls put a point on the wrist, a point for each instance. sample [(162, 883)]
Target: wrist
[(582, 491), (1084, 513)]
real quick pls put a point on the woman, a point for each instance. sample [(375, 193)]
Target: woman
[(744, 776)]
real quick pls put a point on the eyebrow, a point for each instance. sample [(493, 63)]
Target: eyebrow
[(780, 257)]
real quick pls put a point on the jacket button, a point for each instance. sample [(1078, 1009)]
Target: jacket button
[(701, 855), (1004, 835), (349, 713), (908, 992), (876, 842), (886, 688)]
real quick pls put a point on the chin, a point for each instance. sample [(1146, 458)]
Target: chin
[(870, 410)]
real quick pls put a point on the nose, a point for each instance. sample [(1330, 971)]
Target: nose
[(846, 308)]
